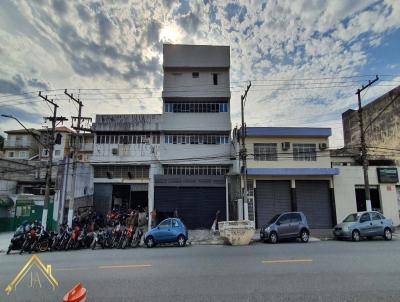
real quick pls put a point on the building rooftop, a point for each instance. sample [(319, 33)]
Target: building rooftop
[(59, 129), (21, 131), (288, 132), (195, 56)]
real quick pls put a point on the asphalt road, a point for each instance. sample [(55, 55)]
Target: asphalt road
[(317, 271)]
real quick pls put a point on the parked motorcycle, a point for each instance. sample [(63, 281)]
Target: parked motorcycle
[(73, 241), (137, 237), (60, 238), (43, 241), (19, 237), (30, 238), (116, 235)]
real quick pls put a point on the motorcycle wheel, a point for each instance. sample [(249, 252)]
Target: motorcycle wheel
[(93, 244), (125, 243), (9, 248), (69, 245), (135, 242), (43, 246)]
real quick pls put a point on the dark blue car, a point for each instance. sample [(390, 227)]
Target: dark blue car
[(170, 230)]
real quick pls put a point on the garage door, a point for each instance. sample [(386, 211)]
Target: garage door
[(313, 200), (196, 206), (272, 197)]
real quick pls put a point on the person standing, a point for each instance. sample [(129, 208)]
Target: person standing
[(153, 218), (176, 213)]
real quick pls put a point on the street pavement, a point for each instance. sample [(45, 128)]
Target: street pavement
[(317, 271)]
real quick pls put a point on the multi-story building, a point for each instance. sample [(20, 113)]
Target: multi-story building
[(21, 144), (382, 123), (177, 160), (289, 169), (125, 156), (62, 139), (195, 148)]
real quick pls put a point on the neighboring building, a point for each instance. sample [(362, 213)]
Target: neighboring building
[(195, 143), (62, 137), (350, 193), (86, 145), (125, 153), (289, 169), (382, 124), (20, 144)]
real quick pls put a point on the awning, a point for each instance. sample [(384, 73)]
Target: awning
[(292, 171)]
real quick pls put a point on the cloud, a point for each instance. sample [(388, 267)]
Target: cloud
[(276, 44)]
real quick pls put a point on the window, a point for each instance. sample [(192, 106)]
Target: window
[(57, 152), (175, 223), (11, 154), (376, 216), (285, 219), (265, 152), (45, 152), (295, 217), (195, 75), (365, 218), (23, 154), (165, 224), (304, 152), (215, 78), (195, 170)]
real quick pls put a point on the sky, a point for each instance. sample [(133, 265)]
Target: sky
[(305, 59)]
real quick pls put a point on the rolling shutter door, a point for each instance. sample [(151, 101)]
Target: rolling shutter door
[(272, 197), (196, 205), (313, 200)]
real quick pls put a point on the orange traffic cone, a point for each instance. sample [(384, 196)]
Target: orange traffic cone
[(77, 294)]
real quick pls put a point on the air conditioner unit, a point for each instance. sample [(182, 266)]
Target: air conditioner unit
[(323, 146), (115, 151), (285, 146)]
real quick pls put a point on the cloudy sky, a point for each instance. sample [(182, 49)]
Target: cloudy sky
[(305, 58)]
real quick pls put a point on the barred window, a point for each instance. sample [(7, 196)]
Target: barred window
[(121, 171), (196, 139), (304, 152), (196, 107), (265, 152), (195, 170), (152, 138)]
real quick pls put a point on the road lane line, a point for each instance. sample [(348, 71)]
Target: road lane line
[(287, 261), (69, 269), (124, 266)]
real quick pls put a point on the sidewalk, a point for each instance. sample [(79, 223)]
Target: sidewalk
[(5, 241)]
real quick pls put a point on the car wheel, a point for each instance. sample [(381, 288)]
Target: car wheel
[(387, 235), (304, 236), (150, 242), (273, 237), (181, 241), (355, 235)]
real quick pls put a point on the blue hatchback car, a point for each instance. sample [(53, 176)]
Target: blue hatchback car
[(170, 230)]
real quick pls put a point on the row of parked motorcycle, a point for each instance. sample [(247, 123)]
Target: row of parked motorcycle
[(90, 234)]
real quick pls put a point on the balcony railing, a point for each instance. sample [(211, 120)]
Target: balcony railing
[(16, 144)]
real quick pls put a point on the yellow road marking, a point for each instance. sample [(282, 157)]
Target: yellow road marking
[(286, 261), (124, 266)]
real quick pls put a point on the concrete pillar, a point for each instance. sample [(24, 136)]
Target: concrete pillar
[(154, 170), (293, 197)]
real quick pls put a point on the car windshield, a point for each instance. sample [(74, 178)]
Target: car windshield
[(273, 219), (351, 218)]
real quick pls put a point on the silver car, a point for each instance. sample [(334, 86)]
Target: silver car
[(290, 225), (364, 224)]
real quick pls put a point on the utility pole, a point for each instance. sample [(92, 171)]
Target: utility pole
[(75, 149), (364, 152), (243, 151), (54, 119)]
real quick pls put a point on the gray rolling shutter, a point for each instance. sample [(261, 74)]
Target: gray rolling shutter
[(313, 200), (102, 197), (196, 206), (272, 197)]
